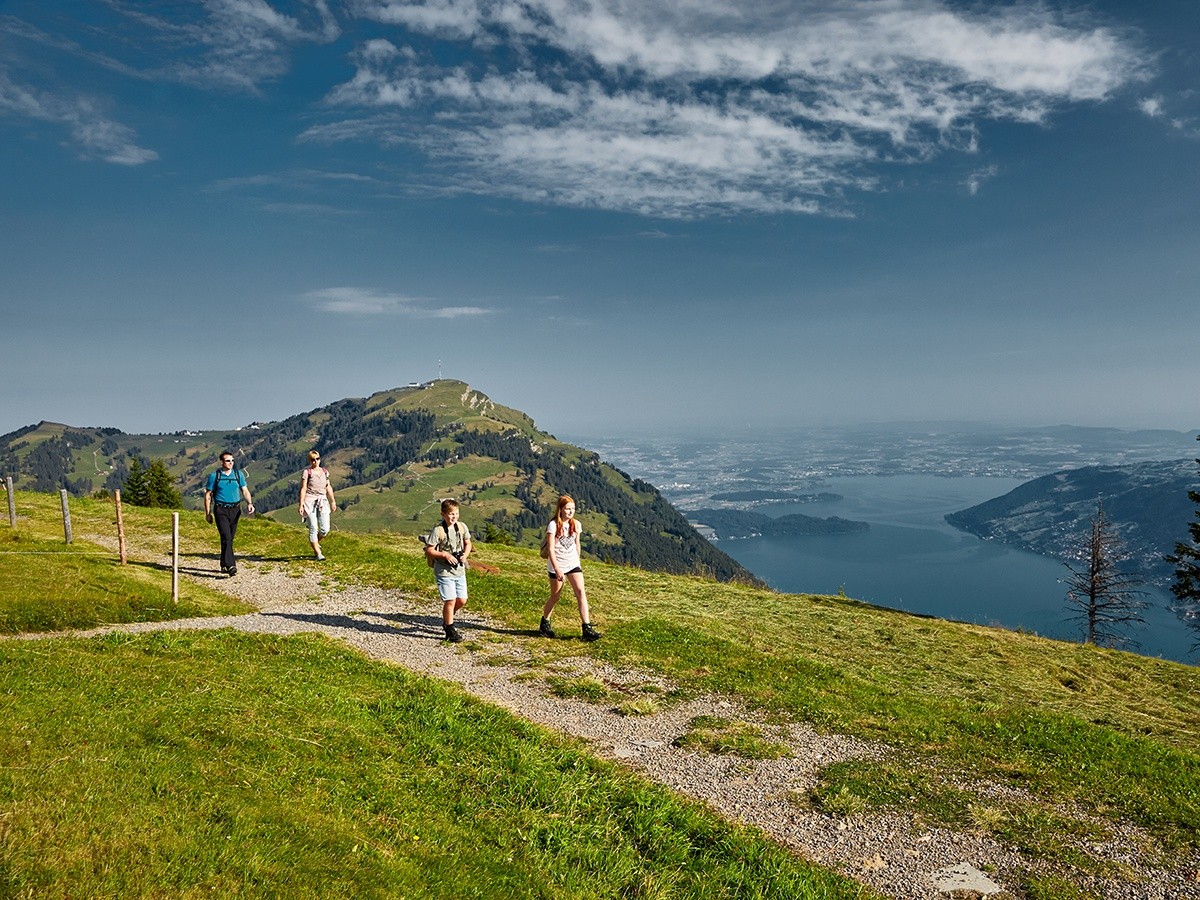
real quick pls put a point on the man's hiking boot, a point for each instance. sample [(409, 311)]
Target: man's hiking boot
[(233, 570), (590, 633), (452, 634), (545, 630)]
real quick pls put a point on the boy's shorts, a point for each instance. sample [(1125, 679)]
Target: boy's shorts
[(451, 586)]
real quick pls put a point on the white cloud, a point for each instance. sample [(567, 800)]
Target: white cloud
[(359, 301), (691, 107), (224, 44), (1151, 106), (93, 134), (671, 108), (976, 179), (356, 301), (458, 312), (242, 44)]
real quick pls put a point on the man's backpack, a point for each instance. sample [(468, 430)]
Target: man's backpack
[(234, 475)]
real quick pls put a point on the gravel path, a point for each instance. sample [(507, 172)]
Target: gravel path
[(898, 857)]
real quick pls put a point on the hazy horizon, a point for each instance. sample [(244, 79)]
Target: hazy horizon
[(696, 430)]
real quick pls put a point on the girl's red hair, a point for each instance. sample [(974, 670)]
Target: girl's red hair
[(560, 519)]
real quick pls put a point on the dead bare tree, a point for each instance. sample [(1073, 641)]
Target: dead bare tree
[(1108, 600)]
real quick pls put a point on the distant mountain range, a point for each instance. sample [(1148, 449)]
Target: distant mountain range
[(1147, 502), (392, 458)]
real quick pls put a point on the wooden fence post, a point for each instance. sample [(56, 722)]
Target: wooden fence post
[(120, 526), (66, 509), (12, 501), (175, 558)]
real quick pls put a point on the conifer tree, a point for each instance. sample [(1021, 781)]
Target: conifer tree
[(1107, 598), (136, 490), (1186, 558), (160, 487)]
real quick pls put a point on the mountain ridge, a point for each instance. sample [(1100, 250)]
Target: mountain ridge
[(1147, 502), (392, 457)]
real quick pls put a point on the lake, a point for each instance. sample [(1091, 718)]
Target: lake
[(912, 560)]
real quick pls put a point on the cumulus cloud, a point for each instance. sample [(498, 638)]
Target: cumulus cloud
[(356, 301), (1151, 106), (694, 107)]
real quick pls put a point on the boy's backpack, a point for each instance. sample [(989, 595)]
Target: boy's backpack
[(457, 530)]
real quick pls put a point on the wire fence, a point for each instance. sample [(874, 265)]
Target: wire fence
[(68, 536)]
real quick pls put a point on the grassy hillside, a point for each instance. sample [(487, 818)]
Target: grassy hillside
[(1077, 739), (393, 457)]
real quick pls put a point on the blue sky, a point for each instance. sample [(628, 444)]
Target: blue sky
[(619, 215)]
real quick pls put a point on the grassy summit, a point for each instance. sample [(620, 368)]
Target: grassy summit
[(393, 457)]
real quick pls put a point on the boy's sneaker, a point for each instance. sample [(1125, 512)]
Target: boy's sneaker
[(590, 633), (545, 630), (452, 634)]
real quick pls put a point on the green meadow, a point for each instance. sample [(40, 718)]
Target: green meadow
[(263, 766)]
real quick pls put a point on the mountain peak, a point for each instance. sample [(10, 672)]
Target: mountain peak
[(392, 457)]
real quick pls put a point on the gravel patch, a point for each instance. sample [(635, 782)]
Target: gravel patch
[(894, 854)]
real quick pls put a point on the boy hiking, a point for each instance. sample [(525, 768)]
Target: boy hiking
[(447, 548)]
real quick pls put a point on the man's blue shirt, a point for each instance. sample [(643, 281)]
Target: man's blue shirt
[(226, 488)]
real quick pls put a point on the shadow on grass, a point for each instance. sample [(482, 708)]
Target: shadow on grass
[(347, 623), (249, 557), (192, 571), (407, 624)]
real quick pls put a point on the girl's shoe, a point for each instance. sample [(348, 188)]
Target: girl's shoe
[(590, 633), (545, 630)]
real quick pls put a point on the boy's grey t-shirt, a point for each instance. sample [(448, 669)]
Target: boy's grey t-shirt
[(450, 540)]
